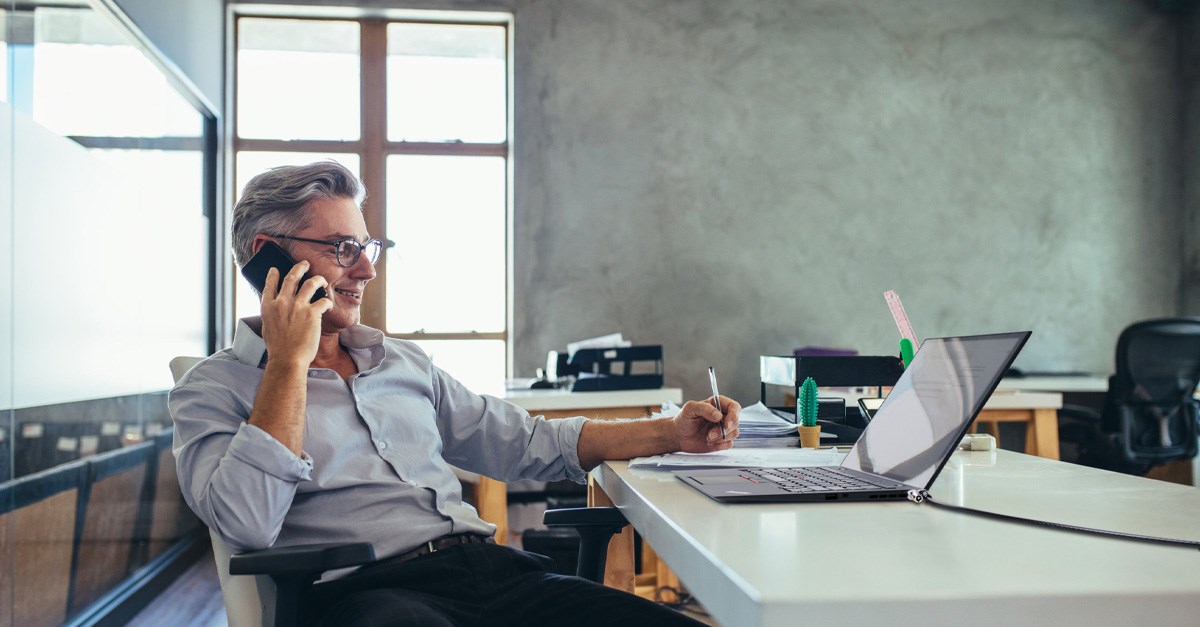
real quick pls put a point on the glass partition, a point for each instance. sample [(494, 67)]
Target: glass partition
[(106, 171)]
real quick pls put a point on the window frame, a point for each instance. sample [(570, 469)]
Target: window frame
[(373, 146)]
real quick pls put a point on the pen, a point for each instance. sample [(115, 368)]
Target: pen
[(712, 378)]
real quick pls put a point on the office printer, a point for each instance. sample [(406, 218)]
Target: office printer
[(600, 369), (781, 373)]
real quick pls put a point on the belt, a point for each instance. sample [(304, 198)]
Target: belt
[(441, 544)]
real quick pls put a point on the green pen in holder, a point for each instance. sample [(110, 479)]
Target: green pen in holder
[(806, 414)]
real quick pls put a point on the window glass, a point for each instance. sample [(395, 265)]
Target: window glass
[(298, 79), (106, 199), (447, 270), (79, 57), (446, 83), (477, 364), (245, 299), (3, 58)]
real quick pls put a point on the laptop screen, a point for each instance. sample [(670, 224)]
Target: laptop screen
[(929, 410)]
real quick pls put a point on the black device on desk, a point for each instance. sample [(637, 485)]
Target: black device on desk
[(790, 371), (599, 369)]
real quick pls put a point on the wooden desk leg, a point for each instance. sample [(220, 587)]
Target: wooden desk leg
[(619, 570), (1045, 433), (491, 500), (661, 578)]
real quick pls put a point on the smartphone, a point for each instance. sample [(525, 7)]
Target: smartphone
[(868, 406), (272, 256)]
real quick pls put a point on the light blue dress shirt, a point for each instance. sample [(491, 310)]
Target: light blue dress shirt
[(377, 449)]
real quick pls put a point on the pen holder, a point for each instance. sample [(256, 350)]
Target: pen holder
[(810, 437)]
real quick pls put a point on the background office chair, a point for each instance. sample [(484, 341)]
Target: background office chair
[(268, 587), (1149, 415)]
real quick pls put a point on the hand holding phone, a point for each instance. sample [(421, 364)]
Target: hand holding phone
[(271, 255)]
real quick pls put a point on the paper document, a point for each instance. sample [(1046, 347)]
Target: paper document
[(739, 457), (758, 421)]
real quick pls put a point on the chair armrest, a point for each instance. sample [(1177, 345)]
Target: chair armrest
[(596, 526), (585, 517), (295, 560)]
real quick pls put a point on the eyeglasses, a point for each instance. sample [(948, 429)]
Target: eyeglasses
[(348, 249)]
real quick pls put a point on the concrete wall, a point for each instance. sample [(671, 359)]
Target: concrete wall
[(191, 33), (736, 179), (1191, 164)]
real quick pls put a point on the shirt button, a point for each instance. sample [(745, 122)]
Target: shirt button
[(381, 444)]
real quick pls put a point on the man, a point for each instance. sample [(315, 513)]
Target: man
[(314, 428)]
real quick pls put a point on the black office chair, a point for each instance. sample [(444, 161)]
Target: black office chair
[(1149, 415)]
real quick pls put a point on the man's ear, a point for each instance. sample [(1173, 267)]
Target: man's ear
[(258, 242)]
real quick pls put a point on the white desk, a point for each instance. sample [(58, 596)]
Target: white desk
[(591, 404), (1066, 384), (899, 563)]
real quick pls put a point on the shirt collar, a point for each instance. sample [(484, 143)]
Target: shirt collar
[(249, 348)]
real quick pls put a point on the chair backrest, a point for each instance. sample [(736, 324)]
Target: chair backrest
[(247, 598), (181, 364), (1149, 405)]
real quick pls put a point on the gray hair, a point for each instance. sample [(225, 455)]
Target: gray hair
[(276, 200)]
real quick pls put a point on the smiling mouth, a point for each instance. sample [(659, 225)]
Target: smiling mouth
[(350, 294)]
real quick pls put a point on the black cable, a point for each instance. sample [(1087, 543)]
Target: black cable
[(682, 599), (919, 496)]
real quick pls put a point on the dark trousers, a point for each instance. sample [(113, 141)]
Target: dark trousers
[(479, 585)]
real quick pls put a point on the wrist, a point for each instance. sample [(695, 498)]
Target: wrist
[(284, 365), (669, 435)]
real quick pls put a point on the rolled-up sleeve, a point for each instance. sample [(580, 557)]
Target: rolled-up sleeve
[(496, 438), (237, 478)]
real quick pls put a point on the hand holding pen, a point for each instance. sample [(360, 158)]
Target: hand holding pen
[(694, 428)]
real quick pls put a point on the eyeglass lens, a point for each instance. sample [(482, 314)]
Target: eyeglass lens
[(349, 250)]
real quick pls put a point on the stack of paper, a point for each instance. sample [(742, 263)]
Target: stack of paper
[(757, 421)]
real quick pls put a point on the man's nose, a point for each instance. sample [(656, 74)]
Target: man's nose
[(363, 269)]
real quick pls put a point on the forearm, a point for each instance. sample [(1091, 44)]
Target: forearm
[(602, 440), (279, 406), (237, 478), (250, 491)]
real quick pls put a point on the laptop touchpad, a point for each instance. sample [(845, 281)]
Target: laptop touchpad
[(719, 479)]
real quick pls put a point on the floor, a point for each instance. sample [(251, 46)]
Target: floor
[(194, 600)]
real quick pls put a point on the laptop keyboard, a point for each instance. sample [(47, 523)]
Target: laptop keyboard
[(811, 479)]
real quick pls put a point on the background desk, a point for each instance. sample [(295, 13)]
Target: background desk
[(491, 496), (905, 564), (1066, 384), (1037, 410)]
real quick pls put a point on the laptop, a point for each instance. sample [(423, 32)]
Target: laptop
[(904, 447)]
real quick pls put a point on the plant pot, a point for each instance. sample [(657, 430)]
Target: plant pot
[(810, 437)]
